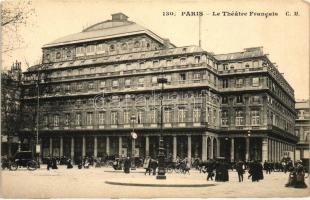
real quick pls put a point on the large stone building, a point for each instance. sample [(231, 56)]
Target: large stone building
[(92, 83), (302, 129), (10, 109)]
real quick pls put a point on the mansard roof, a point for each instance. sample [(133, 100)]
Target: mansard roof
[(248, 53), (117, 27)]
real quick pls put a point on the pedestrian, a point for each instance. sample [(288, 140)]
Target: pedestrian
[(69, 165), (49, 163), (210, 169), (240, 170), (54, 163), (146, 165), (154, 166), (266, 166), (127, 165)]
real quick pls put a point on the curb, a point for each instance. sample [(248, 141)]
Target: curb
[(158, 185)]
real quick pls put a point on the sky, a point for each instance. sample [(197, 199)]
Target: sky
[(284, 38)]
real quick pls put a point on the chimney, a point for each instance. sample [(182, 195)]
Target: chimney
[(119, 17)]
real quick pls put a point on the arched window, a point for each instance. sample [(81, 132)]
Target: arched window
[(112, 48), (137, 44)]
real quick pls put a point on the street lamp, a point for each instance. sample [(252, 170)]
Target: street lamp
[(161, 154), (134, 137)]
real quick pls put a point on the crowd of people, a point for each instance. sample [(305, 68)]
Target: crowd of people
[(216, 169)]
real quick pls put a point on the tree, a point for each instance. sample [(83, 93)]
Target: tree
[(15, 15)]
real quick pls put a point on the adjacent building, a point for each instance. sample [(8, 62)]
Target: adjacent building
[(98, 85), (10, 109), (302, 129)]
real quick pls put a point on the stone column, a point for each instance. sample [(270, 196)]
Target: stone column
[(232, 150), (264, 149), (108, 145), (51, 146), (83, 147), (174, 147), (61, 151), (189, 148), (204, 152), (147, 146), (133, 147), (95, 147), (218, 147), (247, 148), (72, 148), (120, 146), (273, 151), (211, 153)]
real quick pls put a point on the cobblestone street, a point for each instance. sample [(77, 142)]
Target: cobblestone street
[(91, 183)]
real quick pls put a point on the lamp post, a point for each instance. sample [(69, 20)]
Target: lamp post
[(134, 137), (37, 149), (161, 154)]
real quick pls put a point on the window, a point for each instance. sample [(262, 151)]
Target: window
[(239, 99), (224, 118), (100, 48), (181, 115), (126, 117), (127, 83), (255, 64), (115, 83), (45, 121), (232, 67), (58, 55), (196, 115), (79, 86), (224, 100), (255, 82), (148, 45), (80, 72), (124, 46), (141, 65), (56, 120), (239, 118), (155, 63), (256, 99), (247, 66), (182, 77), (112, 48), (80, 51), (153, 116), (197, 59), (101, 118), (167, 116), (67, 87), (225, 83), (137, 44), (114, 118), (140, 117), (92, 70), (78, 119), (48, 57), (197, 76), (225, 66), (154, 80), (255, 119), (67, 119), (183, 61), (239, 82), (68, 54), (141, 82), (91, 85), (169, 63), (102, 84), (89, 118)]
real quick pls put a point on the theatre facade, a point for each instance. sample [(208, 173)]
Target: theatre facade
[(95, 87)]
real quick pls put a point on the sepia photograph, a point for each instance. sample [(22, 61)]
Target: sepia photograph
[(155, 99)]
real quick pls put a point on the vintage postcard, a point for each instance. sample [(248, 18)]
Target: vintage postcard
[(154, 99)]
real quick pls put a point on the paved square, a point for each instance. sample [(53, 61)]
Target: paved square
[(91, 183)]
